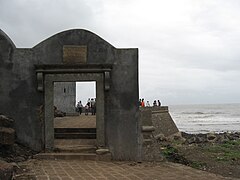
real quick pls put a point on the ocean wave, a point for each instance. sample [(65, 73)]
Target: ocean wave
[(192, 113), (199, 112), (205, 116)]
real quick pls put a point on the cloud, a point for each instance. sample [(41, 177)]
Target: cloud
[(188, 50), (28, 22)]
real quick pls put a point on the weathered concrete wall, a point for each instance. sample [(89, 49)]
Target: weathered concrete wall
[(18, 96), (65, 97), (163, 122), (21, 100), (156, 121)]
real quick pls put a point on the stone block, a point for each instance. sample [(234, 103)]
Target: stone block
[(6, 170), (148, 128), (7, 136), (5, 121), (102, 151), (146, 116)]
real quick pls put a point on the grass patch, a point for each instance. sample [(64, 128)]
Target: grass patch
[(227, 151), (197, 165)]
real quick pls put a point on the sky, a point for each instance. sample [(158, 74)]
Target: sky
[(189, 50)]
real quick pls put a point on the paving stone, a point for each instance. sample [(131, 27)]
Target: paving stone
[(118, 170)]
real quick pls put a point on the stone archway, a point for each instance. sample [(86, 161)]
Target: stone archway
[(49, 74)]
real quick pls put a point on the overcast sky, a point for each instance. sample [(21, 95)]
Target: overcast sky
[(189, 50)]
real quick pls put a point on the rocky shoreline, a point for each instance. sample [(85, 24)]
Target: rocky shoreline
[(217, 153), (210, 137)]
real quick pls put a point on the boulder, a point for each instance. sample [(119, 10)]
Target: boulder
[(6, 122), (7, 136), (6, 170), (160, 137), (211, 137)]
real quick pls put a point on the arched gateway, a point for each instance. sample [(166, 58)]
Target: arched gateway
[(27, 79)]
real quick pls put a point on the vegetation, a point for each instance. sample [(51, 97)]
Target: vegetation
[(220, 157)]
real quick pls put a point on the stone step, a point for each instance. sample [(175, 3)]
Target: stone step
[(74, 156), (76, 148), (66, 156), (74, 130), (75, 135)]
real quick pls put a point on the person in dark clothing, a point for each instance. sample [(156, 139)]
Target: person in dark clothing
[(154, 103)]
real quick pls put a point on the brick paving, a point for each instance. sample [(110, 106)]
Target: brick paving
[(78, 170)]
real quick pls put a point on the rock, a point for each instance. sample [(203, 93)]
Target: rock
[(6, 122), (160, 137), (58, 113), (200, 139), (191, 140), (7, 136), (19, 159), (211, 137), (102, 151), (6, 170), (177, 136), (148, 128)]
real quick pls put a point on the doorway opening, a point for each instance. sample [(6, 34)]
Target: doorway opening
[(75, 116)]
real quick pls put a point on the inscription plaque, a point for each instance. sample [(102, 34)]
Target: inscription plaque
[(74, 54)]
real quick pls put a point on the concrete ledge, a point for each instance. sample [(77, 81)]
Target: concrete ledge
[(148, 128)]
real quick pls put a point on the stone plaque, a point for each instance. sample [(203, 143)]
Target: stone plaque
[(74, 54)]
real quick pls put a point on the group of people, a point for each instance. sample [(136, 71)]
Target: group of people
[(155, 103), (89, 107)]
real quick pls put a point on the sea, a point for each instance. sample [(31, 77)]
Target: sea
[(206, 118)]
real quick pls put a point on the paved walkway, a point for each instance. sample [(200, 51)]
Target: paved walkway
[(81, 121), (78, 170)]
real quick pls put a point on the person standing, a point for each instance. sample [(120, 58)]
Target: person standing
[(159, 103), (86, 109), (93, 106), (79, 107), (154, 103), (89, 104), (147, 104), (143, 103)]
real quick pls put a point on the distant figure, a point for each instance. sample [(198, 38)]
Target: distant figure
[(93, 106), (159, 103), (88, 100), (79, 107), (143, 103), (89, 104), (140, 102), (154, 103), (147, 104), (86, 109)]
